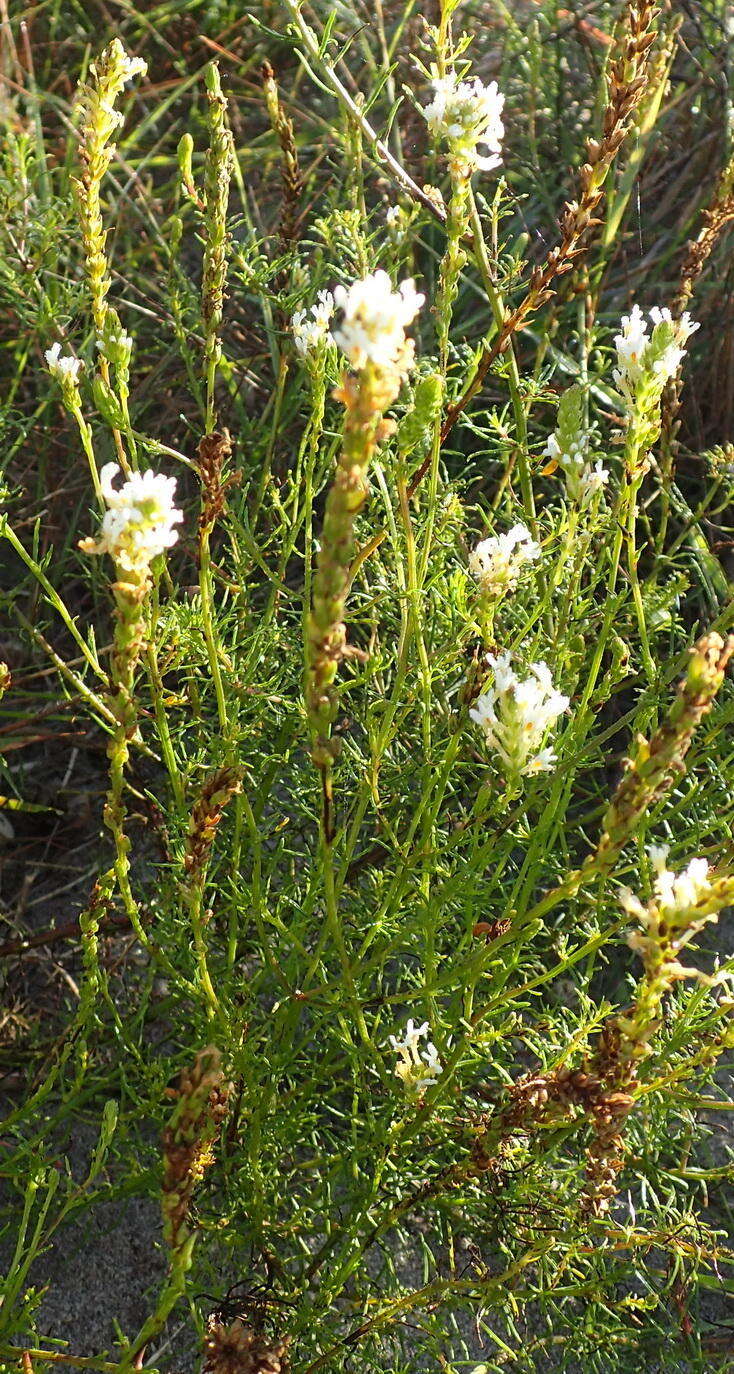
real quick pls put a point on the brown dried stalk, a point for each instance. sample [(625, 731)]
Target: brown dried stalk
[(615, 1074), (598, 1091), (658, 761), (213, 453), (188, 1142), (535, 1102), (716, 218), (628, 79), (290, 171), (216, 792)]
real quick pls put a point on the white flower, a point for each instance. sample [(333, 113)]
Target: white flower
[(116, 346), (417, 1068), (496, 563), (119, 65), (465, 114), (516, 715), (138, 524), (652, 358), (311, 328), (63, 366), (128, 66), (593, 479), (675, 895), (375, 317), (568, 448), (583, 479), (631, 345), (681, 905), (110, 72), (680, 892), (658, 855)]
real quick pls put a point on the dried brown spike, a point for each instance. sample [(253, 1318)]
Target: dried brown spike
[(290, 171), (216, 792), (628, 78), (236, 1349), (201, 1105), (655, 764), (213, 452)]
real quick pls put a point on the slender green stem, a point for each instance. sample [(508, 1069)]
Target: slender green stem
[(207, 618), (38, 1357), (647, 658), (337, 934), (195, 904), (162, 725), (496, 305), (53, 597), (85, 435), (174, 1290)]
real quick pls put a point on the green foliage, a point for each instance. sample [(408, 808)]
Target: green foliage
[(294, 916)]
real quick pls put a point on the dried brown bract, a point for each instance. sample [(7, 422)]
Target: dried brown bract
[(216, 792), (716, 219), (658, 761), (290, 171), (188, 1142), (236, 1349), (213, 454), (628, 79)]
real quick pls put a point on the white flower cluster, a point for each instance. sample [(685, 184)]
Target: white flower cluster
[(674, 894), (127, 67), (650, 358), (465, 114), (679, 892), (64, 368), (110, 74), (417, 1068), (311, 327), (681, 905), (496, 563), (568, 448), (374, 321), (139, 522), (516, 715), (583, 478)]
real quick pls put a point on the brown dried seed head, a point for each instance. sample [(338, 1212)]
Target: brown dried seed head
[(201, 1105), (213, 452), (216, 792), (236, 1349)]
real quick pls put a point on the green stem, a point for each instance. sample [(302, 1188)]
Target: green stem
[(496, 305), (53, 597), (647, 658), (174, 1289), (85, 434), (337, 934), (162, 727), (18, 1352), (205, 589), (195, 903)]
